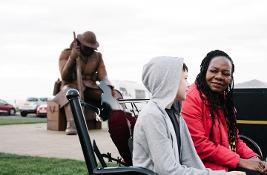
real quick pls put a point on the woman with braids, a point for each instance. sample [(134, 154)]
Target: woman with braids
[(211, 118)]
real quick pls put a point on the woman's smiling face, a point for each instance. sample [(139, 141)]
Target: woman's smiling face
[(219, 74)]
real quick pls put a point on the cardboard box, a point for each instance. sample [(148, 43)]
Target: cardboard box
[(56, 120)]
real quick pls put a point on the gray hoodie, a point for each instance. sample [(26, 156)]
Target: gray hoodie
[(155, 142)]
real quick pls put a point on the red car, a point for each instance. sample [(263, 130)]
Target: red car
[(41, 110), (7, 108)]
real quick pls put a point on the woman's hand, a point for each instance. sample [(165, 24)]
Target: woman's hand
[(265, 168), (252, 164), (264, 171), (235, 173)]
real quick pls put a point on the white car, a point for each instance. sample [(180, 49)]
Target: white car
[(29, 106)]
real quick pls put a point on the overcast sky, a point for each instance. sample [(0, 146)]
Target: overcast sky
[(130, 32)]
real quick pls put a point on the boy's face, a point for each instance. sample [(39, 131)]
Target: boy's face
[(181, 93)]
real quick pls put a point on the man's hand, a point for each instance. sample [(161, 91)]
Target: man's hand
[(75, 51)]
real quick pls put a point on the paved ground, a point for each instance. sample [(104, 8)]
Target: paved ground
[(36, 140)]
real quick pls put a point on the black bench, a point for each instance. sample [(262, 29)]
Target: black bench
[(85, 141)]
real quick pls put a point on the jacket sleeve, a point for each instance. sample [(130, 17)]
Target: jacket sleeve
[(206, 149), (66, 65), (102, 73), (243, 150), (161, 150)]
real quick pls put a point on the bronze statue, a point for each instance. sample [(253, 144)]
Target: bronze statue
[(80, 67)]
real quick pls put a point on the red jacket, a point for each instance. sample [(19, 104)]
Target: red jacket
[(214, 152)]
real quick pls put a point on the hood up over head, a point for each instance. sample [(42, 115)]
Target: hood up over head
[(161, 76)]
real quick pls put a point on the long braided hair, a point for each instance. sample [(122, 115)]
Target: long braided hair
[(219, 100)]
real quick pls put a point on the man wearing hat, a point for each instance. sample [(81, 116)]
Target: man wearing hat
[(92, 70)]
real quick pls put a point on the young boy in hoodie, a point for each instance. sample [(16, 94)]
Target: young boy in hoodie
[(162, 142)]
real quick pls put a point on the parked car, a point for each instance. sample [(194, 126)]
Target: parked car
[(29, 106), (7, 108), (43, 99), (41, 110)]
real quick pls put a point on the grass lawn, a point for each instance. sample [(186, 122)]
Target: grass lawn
[(11, 120), (11, 164)]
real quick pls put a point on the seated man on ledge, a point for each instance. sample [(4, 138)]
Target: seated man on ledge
[(92, 69)]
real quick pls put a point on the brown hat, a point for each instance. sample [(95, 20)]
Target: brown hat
[(88, 39)]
